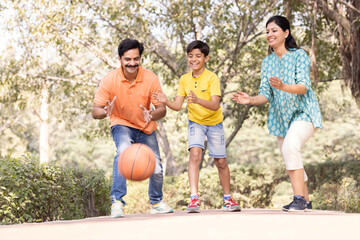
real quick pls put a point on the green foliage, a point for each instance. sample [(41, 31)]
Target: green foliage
[(336, 185), (33, 192), (341, 197)]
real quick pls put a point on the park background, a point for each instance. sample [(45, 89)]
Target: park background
[(56, 161)]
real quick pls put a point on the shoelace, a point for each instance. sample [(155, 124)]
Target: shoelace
[(194, 201), (230, 201), (300, 201), (160, 205)]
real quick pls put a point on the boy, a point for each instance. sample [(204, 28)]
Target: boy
[(202, 89)]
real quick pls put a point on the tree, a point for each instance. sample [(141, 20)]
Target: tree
[(82, 36), (346, 16), (167, 27), (42, 70)]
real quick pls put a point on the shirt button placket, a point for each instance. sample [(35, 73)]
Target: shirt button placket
[(282, 79)]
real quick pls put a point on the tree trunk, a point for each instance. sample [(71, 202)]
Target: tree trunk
[(44, 125), (169, 165), (314, 68), (287, 7), (44, 114), (347, 16), (355, 50), (239, 123)]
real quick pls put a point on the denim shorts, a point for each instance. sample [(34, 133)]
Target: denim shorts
[(215, 135)]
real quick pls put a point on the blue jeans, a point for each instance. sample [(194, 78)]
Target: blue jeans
[(123, 137)]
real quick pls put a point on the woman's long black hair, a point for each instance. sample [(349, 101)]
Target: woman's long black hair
[(284, 24)]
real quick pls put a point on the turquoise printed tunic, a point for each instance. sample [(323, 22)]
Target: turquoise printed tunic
[(292, 68)]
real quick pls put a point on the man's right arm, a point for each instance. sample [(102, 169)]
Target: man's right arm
[(99, 111)]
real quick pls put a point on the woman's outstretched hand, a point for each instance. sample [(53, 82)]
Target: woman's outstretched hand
[(241, 98)]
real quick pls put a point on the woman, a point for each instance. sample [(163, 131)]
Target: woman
[(294, 110)]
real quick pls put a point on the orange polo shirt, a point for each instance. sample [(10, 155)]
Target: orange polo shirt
[(129, 96)]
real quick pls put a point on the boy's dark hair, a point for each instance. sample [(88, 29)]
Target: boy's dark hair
[(128, 44), (203, 47)]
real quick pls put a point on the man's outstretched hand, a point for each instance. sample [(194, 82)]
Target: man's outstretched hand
[(109, 107), (147, 114)]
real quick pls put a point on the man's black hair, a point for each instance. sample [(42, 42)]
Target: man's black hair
[(128, 44), (203, 47)]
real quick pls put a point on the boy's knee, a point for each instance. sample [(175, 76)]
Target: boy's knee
[(195, 155), (220, 163)]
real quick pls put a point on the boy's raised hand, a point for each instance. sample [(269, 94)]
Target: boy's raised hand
[(241, 98), (191, 97), (160, 96)]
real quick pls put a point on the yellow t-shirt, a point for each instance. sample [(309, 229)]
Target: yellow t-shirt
[(204, 86)]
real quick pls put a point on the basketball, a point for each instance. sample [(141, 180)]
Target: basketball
[(136, 162)]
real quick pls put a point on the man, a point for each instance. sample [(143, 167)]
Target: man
[(125, 95)]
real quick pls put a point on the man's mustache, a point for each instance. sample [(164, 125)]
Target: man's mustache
[(132, 66)]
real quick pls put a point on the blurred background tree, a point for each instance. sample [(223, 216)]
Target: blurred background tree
[(54, 54)]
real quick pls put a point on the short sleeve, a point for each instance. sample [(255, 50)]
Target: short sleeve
[(302, 72), (215, 86), (103, 93), (181, 89), (265, 88)]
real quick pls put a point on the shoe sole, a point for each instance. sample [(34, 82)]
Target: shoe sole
[(117, 216), (295, 210), (231, 210), (160, 212), (193, 210)]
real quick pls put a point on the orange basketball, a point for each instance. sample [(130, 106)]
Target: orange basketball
[(137, 162)]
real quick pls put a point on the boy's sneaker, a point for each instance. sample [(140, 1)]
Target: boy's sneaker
[(194, 205), (117, 209), (160, 207), (230, 206), (298, 204)]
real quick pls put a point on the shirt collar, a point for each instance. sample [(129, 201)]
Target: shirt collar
[(138, 77)]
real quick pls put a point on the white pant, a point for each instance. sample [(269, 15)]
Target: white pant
[(290, 145)]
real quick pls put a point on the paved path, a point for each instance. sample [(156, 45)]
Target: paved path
[(209, 224)]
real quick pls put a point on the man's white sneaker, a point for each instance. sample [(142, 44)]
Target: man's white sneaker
[(117, 209), (160, 207)]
